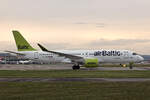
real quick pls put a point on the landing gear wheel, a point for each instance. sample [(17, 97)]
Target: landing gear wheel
[(75, 67), (131, 65)]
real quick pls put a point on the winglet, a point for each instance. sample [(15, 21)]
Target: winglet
[(42, 48), (21, 42)]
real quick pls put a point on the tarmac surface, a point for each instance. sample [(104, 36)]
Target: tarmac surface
[(74, 79), (62, 67), (69, 67)]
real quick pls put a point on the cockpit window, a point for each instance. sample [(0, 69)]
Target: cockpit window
[(134, 53)]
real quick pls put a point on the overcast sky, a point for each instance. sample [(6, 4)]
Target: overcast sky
[(77, 24)]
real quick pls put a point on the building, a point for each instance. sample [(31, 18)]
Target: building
[(7, 58)]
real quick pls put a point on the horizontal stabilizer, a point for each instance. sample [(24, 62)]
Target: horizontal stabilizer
[(15, 53)]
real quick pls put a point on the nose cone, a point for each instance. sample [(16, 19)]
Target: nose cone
[(140, 58)]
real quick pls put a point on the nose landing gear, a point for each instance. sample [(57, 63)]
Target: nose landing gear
[(131, 65)]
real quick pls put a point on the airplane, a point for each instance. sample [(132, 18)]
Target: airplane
[(28, 52), (92, 58), (88, 58)]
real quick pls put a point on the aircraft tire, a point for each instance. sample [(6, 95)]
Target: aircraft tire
[(75, 67)]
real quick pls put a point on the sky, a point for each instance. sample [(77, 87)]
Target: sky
[(77, 24)]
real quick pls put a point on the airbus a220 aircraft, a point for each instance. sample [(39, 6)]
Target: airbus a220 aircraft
[(88, 58), (92, 58)]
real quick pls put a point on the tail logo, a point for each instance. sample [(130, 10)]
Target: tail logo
[(23, 47)]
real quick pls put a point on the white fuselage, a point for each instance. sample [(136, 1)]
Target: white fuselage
[(103, 56), (41, 56)]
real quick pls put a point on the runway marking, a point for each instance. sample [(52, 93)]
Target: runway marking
[(74, 79)]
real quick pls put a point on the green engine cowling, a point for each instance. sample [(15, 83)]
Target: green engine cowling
[(91, 62)]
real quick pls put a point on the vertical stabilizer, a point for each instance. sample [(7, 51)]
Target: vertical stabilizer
[(21, 43)]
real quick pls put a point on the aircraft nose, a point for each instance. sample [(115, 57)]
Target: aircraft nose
[(141, 58)]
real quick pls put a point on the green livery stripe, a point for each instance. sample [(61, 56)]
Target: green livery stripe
[(21, 43)]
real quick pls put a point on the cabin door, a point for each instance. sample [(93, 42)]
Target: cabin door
[(36, 56)]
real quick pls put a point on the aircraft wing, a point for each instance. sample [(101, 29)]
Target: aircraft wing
[(72, 57), (15, 53)]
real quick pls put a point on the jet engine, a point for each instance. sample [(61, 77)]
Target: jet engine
[(91, 62)]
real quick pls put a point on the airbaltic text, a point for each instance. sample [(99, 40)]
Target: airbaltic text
[(107, 53)]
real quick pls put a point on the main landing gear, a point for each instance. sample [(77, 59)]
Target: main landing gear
[(76, 66)]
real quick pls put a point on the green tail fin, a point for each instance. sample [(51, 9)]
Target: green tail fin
[(21, 43)]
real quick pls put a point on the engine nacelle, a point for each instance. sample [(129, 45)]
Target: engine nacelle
[(91, 62)]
